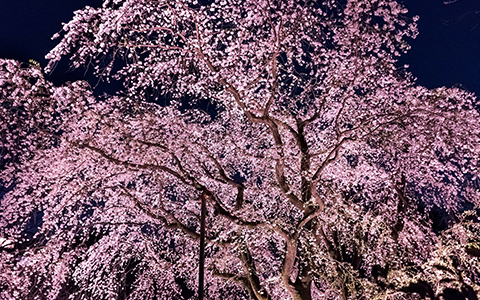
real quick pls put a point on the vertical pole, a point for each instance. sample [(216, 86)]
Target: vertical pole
[(202, 248)]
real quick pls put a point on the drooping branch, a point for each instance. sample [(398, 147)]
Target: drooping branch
[(219, 209), (140, 166), (169, 222), (402, 206), (239, 186), (332, 156)]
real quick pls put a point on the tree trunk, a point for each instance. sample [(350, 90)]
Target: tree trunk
[(304, 289), (303, 283)]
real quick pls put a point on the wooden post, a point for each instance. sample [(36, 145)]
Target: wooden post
[(202, 247)]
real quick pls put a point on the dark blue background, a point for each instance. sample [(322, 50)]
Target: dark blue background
[(446, 52)]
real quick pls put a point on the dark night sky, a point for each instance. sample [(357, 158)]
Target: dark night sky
[(446, 52)]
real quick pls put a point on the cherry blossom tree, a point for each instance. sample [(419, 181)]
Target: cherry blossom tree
[(453, 271), (319, 161)]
